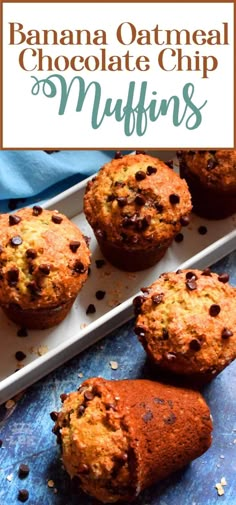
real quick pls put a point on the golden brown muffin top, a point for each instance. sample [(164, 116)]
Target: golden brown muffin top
[(190, 314), (136, 201), (44, 258), (214, 168)]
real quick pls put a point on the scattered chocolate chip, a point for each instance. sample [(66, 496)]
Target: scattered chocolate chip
[(23, 470), (223, 278), (140, 175), (138, 151), (151, 170), (165, 334), (157, 299), (184, 220), (147, 416), (173, 198), (191, 275), (63, 397), (211, 164), (16, 241), (226, 334), (22, 332), (170, 419), (118, 155), (214, 310), (100, 294), (159, 207), (100, 263), (56, 219), (88, 395), (13, 276), (137, 303), (31, 254), (54, 416), (191, 284), (122, 201), (91, 309), (23, 495), (34, 288), (195, 345), (19, 355), (140, 200), (14, 219), (74, 245), (206, 272), (79, 267), (111, 198), (202, 230), (37, 210), (179, 238), (139, 330), (169, 163)]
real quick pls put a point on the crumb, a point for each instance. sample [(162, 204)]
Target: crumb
[(10, 477), (223, 481), (114, 365), (220, 489), (50, 483), (83, 325), (131, 275), (80, 375), (40, 350), (222, 456), (9, 404)]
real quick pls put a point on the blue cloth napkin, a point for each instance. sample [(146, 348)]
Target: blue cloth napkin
[(27, 177)]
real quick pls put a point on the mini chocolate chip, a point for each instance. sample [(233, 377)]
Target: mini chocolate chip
[(16, 241), (80, 410), (19, 355), (118, 155), (88, 395), (191, 275), (74, 245), (63, 397), (111, 198), (170, 419), (23, 495), (159, 207), (140, 175), (223, 278), (214, 310), (179, 238), (140, 200), (165, 334), (169, 163), (45, 269), (184, 220), (159, 401), (56, 219), (147, 416), (100, 294), (91, 309), (139, 151), (122, 201), (23, 470), (139, 330), (191, 284), (142, 224), (78, 267), (34, 288), (14, 219), (31, 254), (211, 164), (157, 299), (206, 272), (195, 345), (100, 263), (226, 334), (37, 210), (22, 332), (54, 416), (202, 230), (151, 170), (173, 198), (13, 276), (137, 303)]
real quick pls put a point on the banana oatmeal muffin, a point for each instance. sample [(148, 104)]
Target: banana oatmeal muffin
[(186, 322), (44, 260), (211, 177), (119, 437), (136, 205)]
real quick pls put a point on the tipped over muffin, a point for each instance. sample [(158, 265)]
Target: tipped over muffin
[(211, 177), (118, 437), (44, 260), (186, 322), (136, 205)]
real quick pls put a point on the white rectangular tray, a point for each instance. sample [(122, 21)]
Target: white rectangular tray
[(45, 350)]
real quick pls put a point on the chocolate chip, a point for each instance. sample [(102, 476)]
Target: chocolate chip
[(173, 198), (45, 269), (159, 401), (211, 164), (191, 284), (54, 415), (147, 416), (202, 230), (191, 275), (140, 175), (63, 397), (100, 263), (223, 278), (179, 238), (83, 468), (23, 470), (80, 410), (16, 241), (31, 254), (126, 222), (74, 245), (79, 267), (157, 299), (170, 419), (140, 200), (169, 163), (206, 272), (88, 395), (118, 155), (165, 334), (137, 303), (139, 330), (195, 345), (37, 210), (159, 207), (56, 219), (19, 355), (34, 288), (214, 310), (14, 219), (142, 224), (91, 309), (184, 220), (23, 495), (226, 334), (122, 201), (22, 332), (151, 170), (51, 151), (101, 234), (138, 151), (100, 294), (13, 276), (111, 198)]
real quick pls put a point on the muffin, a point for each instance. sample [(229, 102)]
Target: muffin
[(118, 437), (44, 260), (187, 323), (136, 205), (211, 177)]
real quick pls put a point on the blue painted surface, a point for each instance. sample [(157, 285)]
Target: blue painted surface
[(27, 437)]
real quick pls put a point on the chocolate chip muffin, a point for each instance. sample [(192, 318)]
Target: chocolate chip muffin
[(118, 437), (136, 205), (44, 260), (211, 177), (186, 322)]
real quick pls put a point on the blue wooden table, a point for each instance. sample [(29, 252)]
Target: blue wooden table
[(25, 429)]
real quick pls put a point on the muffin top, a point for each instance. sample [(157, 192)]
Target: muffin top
[(136, 201), (188, 319), (216, 169), (44, 258)]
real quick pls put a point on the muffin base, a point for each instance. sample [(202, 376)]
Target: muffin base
[(132, 260), (207, 202), (38, 319)]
